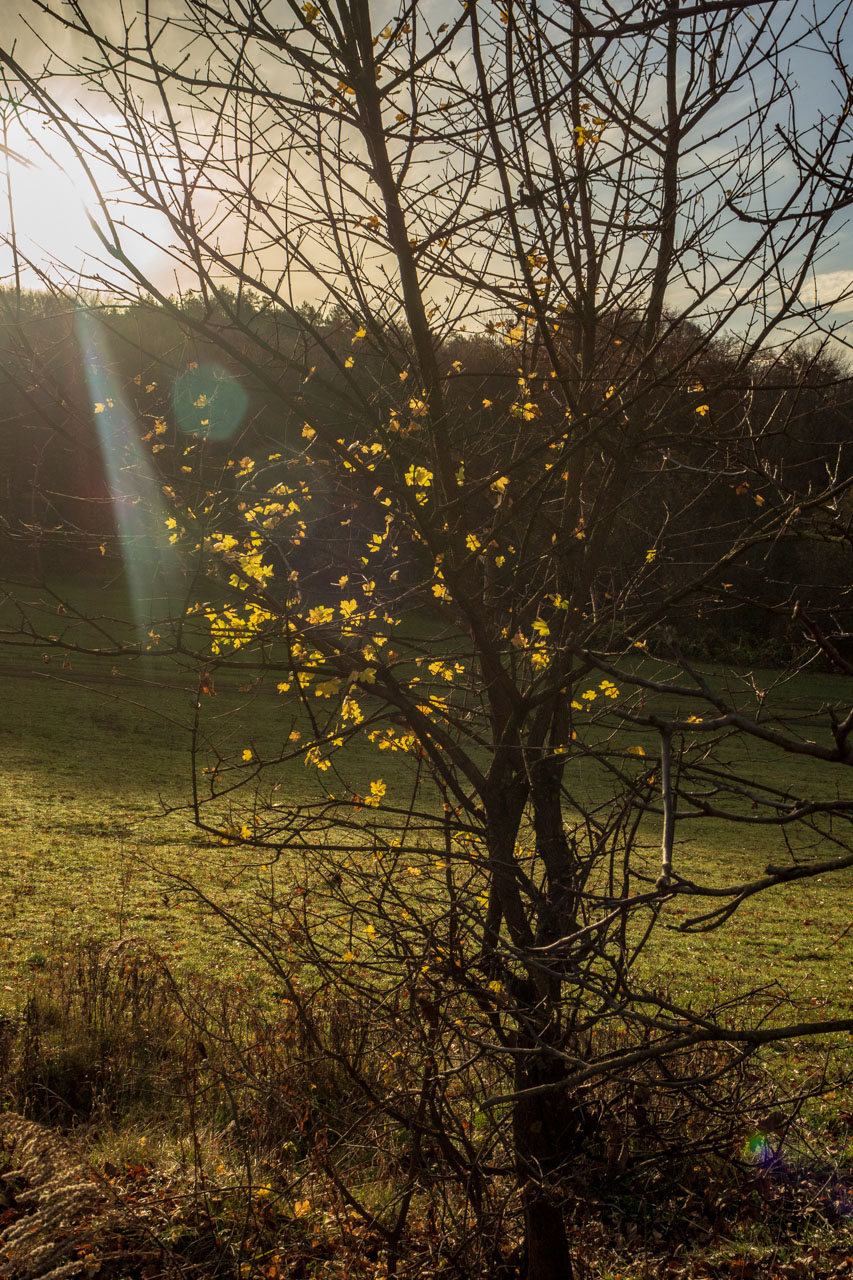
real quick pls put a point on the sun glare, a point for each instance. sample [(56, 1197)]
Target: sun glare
[(49, 202), (46, 202)]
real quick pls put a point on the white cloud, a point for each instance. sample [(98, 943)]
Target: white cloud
[(830, 289)]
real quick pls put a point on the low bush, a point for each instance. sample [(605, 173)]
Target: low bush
[(284, 1133)]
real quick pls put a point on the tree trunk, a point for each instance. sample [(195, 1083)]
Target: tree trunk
[(546, 1243), (541, 1135)]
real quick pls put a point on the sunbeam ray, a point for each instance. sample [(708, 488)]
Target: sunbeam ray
[(150, 564)]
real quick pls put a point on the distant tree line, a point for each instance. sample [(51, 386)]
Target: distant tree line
[(684, 508)]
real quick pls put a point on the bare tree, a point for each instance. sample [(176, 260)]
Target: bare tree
[(527, 298)]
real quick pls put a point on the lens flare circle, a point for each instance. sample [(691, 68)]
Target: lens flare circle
[(209, 402)]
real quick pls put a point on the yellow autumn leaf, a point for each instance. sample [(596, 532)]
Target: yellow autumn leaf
[(377, 792), (320, 615), (328, 688)]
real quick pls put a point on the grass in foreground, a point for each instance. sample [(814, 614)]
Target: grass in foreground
[(235, 1146)]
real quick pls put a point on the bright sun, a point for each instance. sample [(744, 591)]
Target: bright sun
[(51, 202), (48, 201)]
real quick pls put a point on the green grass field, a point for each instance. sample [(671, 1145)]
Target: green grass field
[(95, 754)]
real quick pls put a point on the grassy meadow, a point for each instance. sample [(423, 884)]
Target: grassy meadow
[(96, 778)]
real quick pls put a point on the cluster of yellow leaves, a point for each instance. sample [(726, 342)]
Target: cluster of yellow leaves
[(320, 615), (390, 740), (313, 756), (418, 477), (515, 334), (526, 410), (232, 628), (439, 587), (236, 833), (351, 711), (589, 130), (252, 566), (158, 429), (220, 545), (607, 688), (376, 541), (445, 670), (377, 793), (328, 688)]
